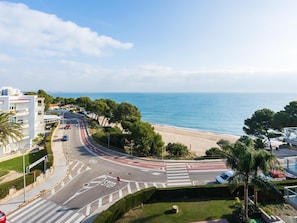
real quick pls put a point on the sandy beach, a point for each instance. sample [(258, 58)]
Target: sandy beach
[(197, 141)]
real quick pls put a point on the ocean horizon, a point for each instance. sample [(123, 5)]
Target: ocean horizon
[(222, 113)]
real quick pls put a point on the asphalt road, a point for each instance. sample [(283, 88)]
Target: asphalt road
[(96, 179)]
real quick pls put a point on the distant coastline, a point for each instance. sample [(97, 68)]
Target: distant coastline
[(220, 113)]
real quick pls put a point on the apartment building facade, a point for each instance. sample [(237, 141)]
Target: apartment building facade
[(28, 110)]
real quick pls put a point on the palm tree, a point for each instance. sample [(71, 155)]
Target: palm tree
[(9, 130), (240, 158), (247, 163), (264, 161)]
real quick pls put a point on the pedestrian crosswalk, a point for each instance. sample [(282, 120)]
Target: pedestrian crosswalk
[(75, 168), (42, 210), (125, 188), (177, 175)]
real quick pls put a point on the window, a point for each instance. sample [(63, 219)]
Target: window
[(40, 102)]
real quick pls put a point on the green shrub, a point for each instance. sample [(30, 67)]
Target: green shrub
[(4, 189), (116, 139), (214, 152), (186, 193)]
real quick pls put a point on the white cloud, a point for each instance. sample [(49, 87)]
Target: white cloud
[(4, 58), (30, 29), (41, 51)]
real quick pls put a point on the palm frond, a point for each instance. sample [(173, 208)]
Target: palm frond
[(9, 130), (263, 184)]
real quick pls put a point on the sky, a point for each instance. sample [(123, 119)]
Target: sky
[(149, 45)]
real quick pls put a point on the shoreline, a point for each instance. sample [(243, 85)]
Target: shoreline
[(197, 141)]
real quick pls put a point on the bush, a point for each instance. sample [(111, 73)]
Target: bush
[(214, 152), (177, 149), (48, 147), (116, 138)]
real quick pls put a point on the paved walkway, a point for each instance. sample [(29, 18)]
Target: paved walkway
[(59, 172)]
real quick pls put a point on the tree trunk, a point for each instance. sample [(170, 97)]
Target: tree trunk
[(255, 189), (255, 195), (270, 146), (246, 199)]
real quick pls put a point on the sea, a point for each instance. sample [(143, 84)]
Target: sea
[(210, 112)]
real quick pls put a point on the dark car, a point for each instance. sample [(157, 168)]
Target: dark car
[(65, 138)]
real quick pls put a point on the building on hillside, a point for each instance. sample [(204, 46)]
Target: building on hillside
[(291, 135), (28, 110), (53, 107)]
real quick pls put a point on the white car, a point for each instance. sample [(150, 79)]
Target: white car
[(224, 177)]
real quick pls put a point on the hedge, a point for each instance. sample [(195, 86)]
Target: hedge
[(153, 195), (118, 209), (17, 183), (194, 192)]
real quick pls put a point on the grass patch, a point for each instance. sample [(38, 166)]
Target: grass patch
[(3, 172), (17, 162), (188, 212)]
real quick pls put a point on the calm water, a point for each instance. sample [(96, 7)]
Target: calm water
[(215, 112)]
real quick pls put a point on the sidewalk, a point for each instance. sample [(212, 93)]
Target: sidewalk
[(59, 172)]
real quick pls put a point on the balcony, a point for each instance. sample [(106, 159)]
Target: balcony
[(23, 112)]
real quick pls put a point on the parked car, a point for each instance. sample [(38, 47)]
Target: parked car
[(277, 174), (2, 217), (224, 177), (65, 138)]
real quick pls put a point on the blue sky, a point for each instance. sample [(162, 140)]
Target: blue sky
[(149, 45)]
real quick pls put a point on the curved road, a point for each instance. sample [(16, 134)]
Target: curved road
[(98, 177)]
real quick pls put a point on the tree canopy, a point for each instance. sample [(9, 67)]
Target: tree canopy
[(260, 122), (177, 149), (146, 141)]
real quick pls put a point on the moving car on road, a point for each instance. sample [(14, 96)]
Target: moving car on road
[(65, 138)]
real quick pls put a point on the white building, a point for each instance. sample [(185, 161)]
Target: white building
[(291, 135), (27, 110)]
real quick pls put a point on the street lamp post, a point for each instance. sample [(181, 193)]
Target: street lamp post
[(24, 171), (108, 141), (24, 175), (132, 144)]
